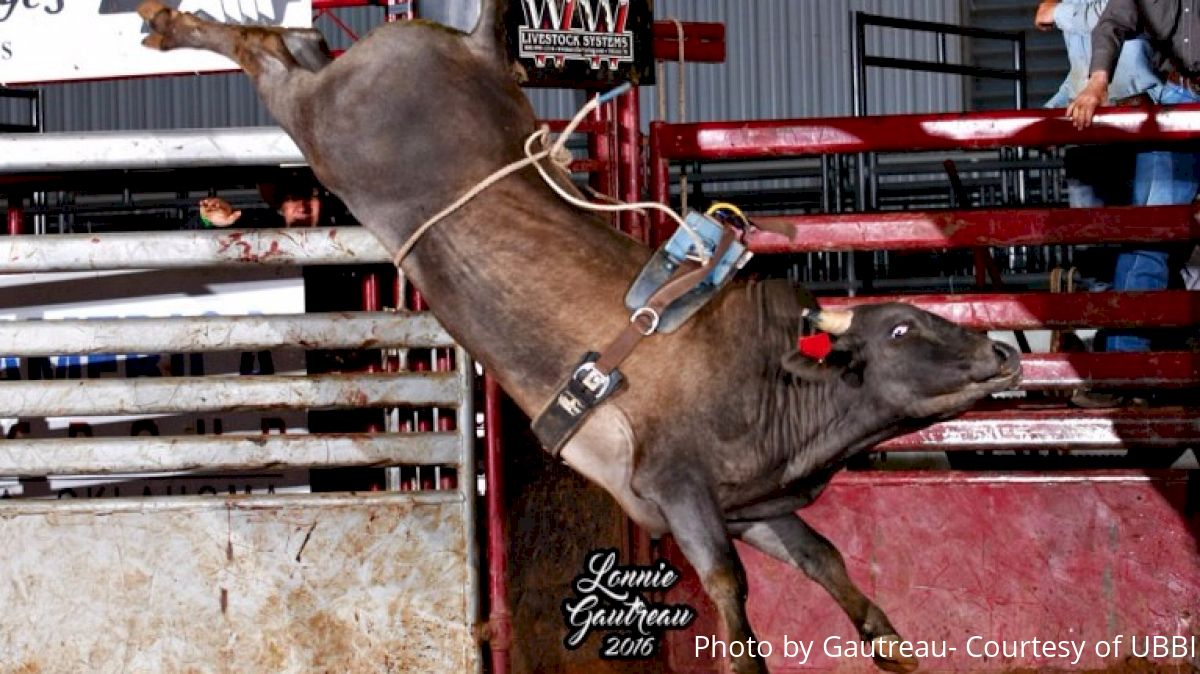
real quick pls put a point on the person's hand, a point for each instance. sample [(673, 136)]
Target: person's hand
[(218, 212), (1044, 18), (1083, 108)]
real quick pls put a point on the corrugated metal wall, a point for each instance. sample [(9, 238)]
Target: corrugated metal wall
[(792, 58), (787, 58), (1046, 57)]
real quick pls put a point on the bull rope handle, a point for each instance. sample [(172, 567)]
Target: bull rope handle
[(562, 159)]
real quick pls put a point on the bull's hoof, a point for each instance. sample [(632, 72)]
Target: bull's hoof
[(151, 8), (887, 655)]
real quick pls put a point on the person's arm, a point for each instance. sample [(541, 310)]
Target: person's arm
[(1120, 21), (1077, 17)]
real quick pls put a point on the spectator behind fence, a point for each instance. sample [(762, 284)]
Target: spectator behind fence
[(1144, 176), (294, 200), (298, 200)]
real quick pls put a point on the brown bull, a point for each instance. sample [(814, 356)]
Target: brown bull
[(723, 430)]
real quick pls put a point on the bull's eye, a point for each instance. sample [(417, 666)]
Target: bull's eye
[(899, 331)]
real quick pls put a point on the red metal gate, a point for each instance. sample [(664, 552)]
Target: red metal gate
[(978, 561)]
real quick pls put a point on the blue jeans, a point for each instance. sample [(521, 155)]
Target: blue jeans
[(1160, 178)]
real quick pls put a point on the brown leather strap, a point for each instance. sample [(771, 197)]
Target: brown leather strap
[(645, 320)]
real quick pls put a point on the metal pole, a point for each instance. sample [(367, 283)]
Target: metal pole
[(1020, 94), (15, 215), (858, 86), (660, 185), (500, 619), (630, 154)]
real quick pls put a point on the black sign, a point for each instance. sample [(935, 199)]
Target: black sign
[(611, 599), (582, 43)]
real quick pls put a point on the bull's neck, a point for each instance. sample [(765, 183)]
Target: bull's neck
[(827, 422)]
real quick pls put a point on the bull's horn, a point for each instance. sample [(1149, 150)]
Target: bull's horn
[(833, 321)]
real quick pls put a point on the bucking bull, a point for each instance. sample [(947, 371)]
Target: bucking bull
[(723, 429)]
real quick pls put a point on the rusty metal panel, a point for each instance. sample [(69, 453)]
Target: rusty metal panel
[(103, 456), (372, 583), (1078, 557), (172, 250), (343, 330), (154, 395)]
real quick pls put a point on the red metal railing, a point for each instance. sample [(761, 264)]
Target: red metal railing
[(899, 231)]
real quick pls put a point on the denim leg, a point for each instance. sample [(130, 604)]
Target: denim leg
[(1137, 270), (1160, 178)]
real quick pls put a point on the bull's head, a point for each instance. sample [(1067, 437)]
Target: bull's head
[(910, 361)]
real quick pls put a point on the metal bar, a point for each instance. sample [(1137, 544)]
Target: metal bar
[(260, 502), (208, 248), (259, 146), (660, 186), (15, 216), (629, 155), (499, 621), (1115, 370), (751, 139), (937, 27), (1162, 309), (104, 456), (155, 395), (345, 330), (974, 228), (1057, 430), (703, 42), (321, 5), (467, 487), (948, 68)]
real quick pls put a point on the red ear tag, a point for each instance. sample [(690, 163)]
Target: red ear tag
[(815, 346)]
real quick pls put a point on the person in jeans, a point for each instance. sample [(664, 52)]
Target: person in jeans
[(1115, 64)]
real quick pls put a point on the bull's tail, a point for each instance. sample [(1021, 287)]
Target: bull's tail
[(488, 37)]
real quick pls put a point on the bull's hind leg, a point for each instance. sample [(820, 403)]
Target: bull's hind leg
[(257, 49), (790, 539)]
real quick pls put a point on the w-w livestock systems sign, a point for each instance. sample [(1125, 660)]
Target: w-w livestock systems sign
[(578, 43), (55, 40)]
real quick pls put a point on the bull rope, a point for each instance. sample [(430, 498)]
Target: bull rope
[(562, 159)]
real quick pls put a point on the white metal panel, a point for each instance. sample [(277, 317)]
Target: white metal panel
[(347, 330), (153, 395), (258, 146), (377, 583), (104, 456), (171, 250)]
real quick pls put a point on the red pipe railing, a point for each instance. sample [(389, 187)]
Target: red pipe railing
[(1032, 311), (499, 617), (922, 230)]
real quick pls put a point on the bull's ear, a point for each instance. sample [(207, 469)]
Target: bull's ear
[(805, 367), (841, 363), (487, 39)]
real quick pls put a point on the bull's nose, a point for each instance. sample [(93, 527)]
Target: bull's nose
[(1007, 357)]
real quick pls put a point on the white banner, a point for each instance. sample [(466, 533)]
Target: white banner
[(55, 40)]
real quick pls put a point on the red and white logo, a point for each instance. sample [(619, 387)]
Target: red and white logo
[(579, 30)]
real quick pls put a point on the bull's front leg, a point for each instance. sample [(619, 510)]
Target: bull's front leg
[(698, 526), (791, 540)]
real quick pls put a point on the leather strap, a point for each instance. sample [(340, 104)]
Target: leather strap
[(645, 320)]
